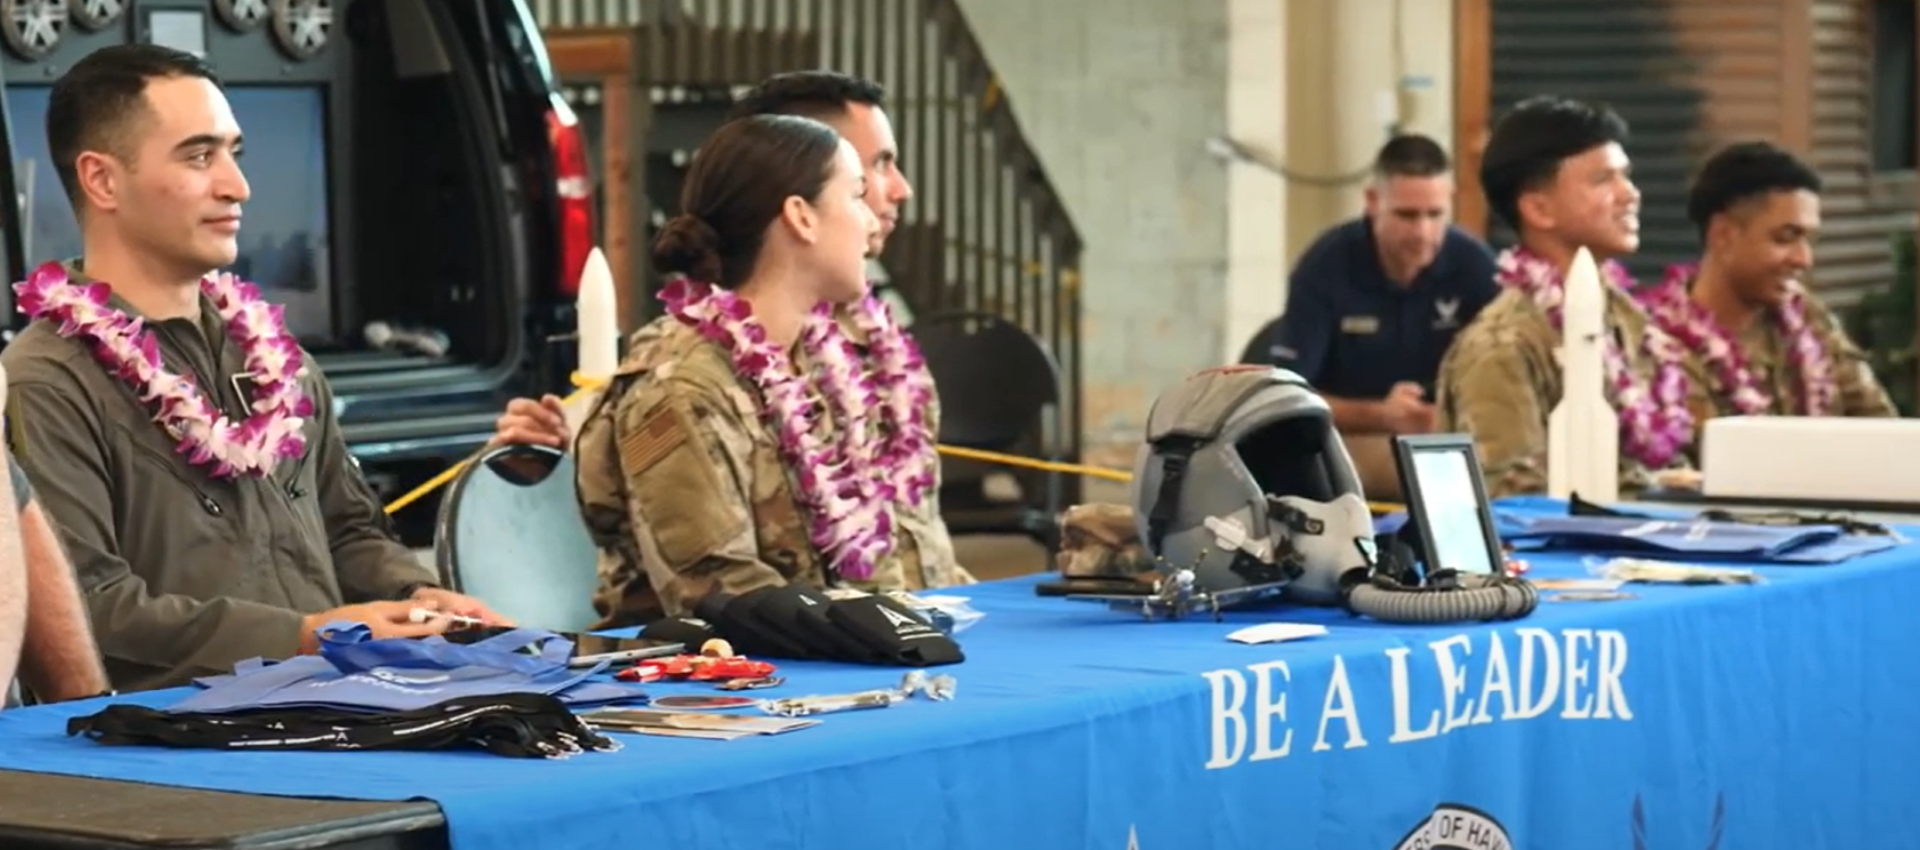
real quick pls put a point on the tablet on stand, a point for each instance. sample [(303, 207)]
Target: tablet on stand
[(1449, 518)]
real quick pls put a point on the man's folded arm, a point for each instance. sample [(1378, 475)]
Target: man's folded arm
[(61, 661)]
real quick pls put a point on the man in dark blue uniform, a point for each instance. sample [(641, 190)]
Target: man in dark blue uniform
[(1374, 302)]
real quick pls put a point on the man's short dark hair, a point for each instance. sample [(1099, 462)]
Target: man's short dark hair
[(1530, 143), (820, 95), (1411, 155), (96, 103), (1744, 172)]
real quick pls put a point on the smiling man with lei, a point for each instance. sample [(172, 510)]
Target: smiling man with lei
[(752, 444), (175, 432), (1555, 170), (1758, 342)]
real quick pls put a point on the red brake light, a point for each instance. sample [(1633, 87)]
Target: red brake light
[(573, 193)]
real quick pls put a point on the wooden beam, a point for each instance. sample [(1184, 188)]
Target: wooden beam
[(591, 51), (1796, 76), (609, 57), (617, 203), (1472, 108)]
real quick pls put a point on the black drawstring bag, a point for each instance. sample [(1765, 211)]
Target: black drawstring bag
[(1577, 506), (520, 725)]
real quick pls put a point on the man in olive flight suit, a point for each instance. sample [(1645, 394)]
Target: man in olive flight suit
[(186, 571)]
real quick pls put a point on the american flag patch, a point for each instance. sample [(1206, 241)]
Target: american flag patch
[(657, 437)]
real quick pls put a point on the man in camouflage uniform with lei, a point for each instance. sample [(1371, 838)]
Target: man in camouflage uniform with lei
[(1555, 170), (1758, 343)]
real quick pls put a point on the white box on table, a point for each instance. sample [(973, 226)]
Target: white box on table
[(1812, 458)]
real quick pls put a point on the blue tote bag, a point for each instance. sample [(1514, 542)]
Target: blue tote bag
[(354, 672), (1696, 539)]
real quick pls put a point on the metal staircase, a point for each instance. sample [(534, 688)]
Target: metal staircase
[(986, 230)]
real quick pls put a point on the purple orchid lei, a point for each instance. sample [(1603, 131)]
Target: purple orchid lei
[(1655, 423), (850, 481), (254, 446), (1695, 328), (1680, 316), (1819, 392)]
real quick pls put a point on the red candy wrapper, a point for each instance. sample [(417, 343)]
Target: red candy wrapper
[(698, 668)]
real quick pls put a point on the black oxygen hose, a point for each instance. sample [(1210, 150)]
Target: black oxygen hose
[(1450, 599)]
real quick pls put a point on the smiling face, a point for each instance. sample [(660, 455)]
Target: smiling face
[(175, 191), (1766, 244), (1591, 202)]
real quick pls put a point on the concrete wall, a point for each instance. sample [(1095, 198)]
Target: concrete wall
[(1120, 97), (1356, 68)]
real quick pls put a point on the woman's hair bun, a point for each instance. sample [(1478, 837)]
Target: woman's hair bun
[(688, 246)]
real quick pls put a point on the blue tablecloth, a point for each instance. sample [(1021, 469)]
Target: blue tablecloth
[(1696, 717)]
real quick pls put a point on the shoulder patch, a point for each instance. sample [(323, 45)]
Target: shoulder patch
[(657, 436)]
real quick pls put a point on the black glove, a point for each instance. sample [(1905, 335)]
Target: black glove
[(738, 619), (801, 623), (806, 615), (892, 630), (686, 631)]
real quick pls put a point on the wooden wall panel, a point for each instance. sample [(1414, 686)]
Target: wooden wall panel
[(1733, 50), (1625, 54), (1473, 107), (1863, 210), (1692, 76)]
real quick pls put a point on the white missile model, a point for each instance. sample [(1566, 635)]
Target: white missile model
[(598, 334), (1583, 432)]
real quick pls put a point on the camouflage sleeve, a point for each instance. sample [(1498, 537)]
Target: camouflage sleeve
[(1700, 402), (1489, 388), (1860, 391), (687, 455)]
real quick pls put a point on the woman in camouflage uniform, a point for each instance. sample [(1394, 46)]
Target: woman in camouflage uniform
[(750, 445)]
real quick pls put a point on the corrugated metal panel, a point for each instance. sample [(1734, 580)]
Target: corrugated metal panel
[(1862, 210), (593, 13), (1622, 53)]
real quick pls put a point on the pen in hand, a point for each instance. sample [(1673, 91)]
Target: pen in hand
[(421, 615)]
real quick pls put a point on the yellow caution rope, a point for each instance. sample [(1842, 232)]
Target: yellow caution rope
[(586, 384)]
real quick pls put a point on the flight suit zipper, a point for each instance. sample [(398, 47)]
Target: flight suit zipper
[(170, 463), (293, 491)]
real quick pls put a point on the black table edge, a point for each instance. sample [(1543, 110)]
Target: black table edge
[(404, 823)]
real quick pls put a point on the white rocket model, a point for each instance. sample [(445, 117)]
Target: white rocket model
[(598, 334), (1583, 432)]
